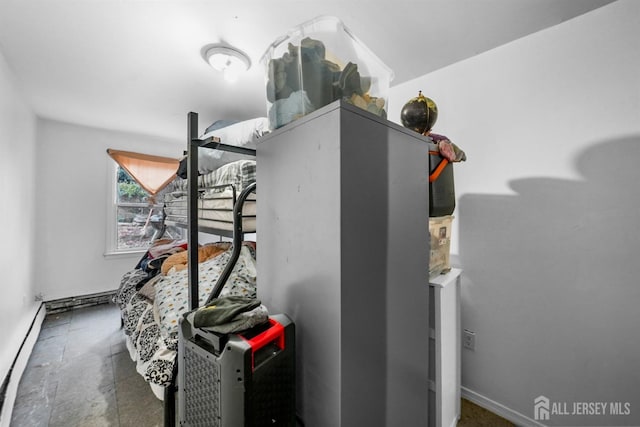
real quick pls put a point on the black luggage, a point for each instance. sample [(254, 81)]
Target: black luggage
[(244, 379)]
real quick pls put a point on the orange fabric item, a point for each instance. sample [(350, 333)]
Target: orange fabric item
[(438, 170), (180, 261), (153, 173)]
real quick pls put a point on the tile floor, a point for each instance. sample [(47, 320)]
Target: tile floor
[(80, 375)]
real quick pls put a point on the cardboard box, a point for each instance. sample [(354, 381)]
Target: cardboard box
[(440, 230)]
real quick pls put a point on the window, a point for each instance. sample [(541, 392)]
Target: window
[(136, 219)]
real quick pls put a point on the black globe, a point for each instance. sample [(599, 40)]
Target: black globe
[(419, 114)]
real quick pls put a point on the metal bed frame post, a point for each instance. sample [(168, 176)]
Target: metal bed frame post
[(238, 235), (192, 200), (194, 143), (170, 400), (192, 252)]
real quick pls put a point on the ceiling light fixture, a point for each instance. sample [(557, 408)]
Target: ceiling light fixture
[(227, 59)]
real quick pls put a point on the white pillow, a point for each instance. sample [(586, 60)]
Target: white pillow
[(241, 134)]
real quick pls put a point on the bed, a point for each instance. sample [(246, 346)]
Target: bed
[(151, 307), (177, 276)]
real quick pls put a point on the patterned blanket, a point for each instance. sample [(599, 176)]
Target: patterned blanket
[(151, 326)]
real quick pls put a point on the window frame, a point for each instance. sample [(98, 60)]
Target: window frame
[(112, 215)]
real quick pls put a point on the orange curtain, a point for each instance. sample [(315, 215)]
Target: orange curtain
[(153, 173)]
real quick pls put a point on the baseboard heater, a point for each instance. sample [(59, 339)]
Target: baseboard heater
[(72, 303), (5, 382)]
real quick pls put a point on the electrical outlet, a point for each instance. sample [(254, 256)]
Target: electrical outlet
[(469, 339)]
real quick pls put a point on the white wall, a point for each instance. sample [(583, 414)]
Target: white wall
[(73, 182), (17, 184), (548, 207)]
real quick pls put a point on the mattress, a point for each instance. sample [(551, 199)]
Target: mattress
[(215, 209)]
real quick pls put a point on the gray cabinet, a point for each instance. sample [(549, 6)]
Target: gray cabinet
[(343, 248)]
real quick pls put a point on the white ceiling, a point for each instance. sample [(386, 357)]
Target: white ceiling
[(135, 65)]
